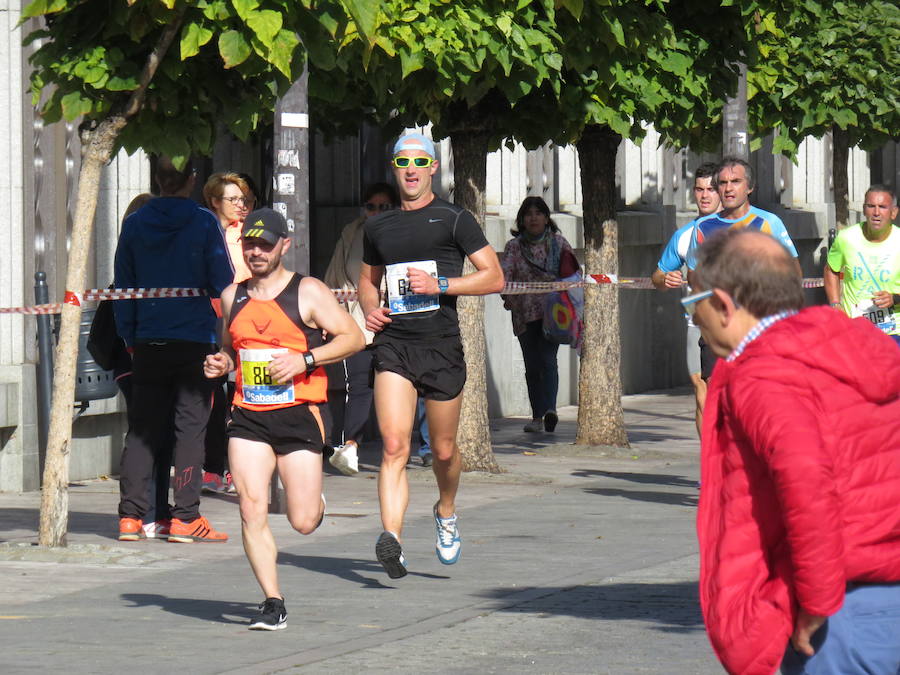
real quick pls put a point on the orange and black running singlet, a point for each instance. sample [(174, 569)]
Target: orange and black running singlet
[(260, 331)]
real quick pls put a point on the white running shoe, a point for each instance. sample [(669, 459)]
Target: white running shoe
[(448, 543), (345, 460), (157, 529)]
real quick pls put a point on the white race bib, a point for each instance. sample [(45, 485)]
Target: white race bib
[(882, 317), (257, 386), (401, 299)]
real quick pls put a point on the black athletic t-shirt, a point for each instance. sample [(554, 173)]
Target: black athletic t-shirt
[(440, 232)]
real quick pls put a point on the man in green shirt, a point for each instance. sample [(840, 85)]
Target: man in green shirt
[(862, 276)]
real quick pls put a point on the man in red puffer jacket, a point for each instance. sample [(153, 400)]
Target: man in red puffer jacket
[(799, 516)]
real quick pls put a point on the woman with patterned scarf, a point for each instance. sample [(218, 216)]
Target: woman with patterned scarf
[(537, 252)]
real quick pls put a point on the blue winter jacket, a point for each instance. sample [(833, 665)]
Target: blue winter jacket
[(170, 242)]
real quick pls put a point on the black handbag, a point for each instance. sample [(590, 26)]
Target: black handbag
[(104, 343)]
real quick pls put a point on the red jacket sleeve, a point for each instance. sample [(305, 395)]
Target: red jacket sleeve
[(783, 429)]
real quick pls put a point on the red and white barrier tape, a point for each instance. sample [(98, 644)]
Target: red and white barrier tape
[(511, 288)]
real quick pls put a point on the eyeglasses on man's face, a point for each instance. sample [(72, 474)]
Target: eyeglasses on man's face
[(240, 201), (689, 302), (372, 206), (418, 162)]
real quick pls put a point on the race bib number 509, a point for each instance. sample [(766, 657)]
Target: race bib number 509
[(883, 317)]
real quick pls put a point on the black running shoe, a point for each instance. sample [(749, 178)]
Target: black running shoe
[(272, 615), (551, 419), (390, 555)]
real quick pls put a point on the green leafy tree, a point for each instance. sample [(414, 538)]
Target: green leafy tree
[(827, 67), (628, 64), (158, 75)]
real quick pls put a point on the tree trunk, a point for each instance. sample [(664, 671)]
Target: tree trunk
[(98, 144), (600, 417), (840, 153), (473, 437), (55, 495)]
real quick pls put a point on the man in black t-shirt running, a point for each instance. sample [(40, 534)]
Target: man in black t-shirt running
[(420, 250)]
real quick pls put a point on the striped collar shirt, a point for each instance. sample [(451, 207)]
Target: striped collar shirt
[(758, 330)]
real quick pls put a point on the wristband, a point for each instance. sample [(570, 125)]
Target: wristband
[(309, 360)]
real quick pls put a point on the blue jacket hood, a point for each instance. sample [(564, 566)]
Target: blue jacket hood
[(171, 242)]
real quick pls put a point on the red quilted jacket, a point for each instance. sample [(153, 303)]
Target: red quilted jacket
[(800, 476)]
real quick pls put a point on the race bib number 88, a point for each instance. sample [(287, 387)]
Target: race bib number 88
[(257, 386)]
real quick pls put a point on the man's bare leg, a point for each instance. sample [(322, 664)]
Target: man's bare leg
[(252, 465), (301, 475), (395, 406), (443, 423)]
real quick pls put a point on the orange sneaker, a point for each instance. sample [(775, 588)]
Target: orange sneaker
[(198, 529), (130, 529)]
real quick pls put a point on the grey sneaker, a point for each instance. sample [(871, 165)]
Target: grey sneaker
[(534, 425), (345, 459)]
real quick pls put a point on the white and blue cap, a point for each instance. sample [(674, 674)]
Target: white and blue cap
[(414, 142)]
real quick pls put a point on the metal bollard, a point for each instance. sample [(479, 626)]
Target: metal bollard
[(44, 366)]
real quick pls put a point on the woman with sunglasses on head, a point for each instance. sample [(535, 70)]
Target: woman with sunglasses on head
[(343, 273), (536, 253)]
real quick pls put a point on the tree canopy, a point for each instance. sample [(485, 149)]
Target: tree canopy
[(233, 59), (828, 65)]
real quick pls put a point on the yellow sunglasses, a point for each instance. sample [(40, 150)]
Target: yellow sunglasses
[(419, 162)]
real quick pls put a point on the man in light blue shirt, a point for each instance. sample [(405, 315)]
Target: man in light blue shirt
[(668, 270)]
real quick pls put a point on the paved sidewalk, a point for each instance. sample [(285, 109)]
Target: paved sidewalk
[(574, 561)]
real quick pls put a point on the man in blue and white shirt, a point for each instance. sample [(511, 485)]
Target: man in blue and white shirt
[(734, 182)]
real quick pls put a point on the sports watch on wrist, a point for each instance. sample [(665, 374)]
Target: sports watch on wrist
[(443, 285), (309, 360)]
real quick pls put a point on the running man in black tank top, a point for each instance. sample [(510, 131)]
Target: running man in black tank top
[(421, 249), (273, 326)]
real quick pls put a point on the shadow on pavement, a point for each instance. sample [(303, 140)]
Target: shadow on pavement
[(644, 433), (350, 569), (690, 498), (220, 611), (80, 522), (680, 417), (645, 478), (671, 498), (675, 607)]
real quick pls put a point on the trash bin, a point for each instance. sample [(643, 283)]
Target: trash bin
[(92, 383)]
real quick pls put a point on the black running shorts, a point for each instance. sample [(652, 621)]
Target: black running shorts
[(435, 366), (299, 427), (707, 360)]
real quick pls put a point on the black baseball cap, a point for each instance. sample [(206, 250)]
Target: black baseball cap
[(265, 224)]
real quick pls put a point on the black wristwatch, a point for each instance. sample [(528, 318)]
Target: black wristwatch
[(310, 361)]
